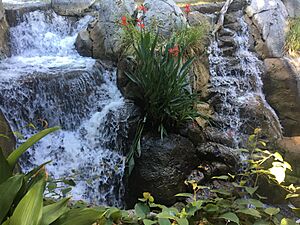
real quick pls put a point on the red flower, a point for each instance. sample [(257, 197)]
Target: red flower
[(124, 21), (141, 25), (187, 8), (174, 51), (138, 20), (142, 8)]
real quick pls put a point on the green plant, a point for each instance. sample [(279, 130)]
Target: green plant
[(292, 43)]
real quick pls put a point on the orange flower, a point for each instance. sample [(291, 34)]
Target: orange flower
[(141, 25), (187, 8), (174, 51), (142, 8), (124, 21)]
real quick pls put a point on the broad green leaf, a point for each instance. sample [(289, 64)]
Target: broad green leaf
[(251, 190), (187, 195), (86, 216), (15, 155), (141, 210), (29, 209), (5, 170), (254, 202), (286, 221), (182, 221), (232, 217), (54, 211), (163, 221), (9, 190), (272, 211), (6, 222), (114, 213), (211, 208), (148, 222), (250, 211), (222, 192)]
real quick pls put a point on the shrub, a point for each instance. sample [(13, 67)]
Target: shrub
[(292, 44)]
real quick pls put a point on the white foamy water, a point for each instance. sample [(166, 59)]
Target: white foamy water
[(236, 83), (44, 42), (47, 80)]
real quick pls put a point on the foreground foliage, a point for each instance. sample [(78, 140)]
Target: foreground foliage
[(22, 197)]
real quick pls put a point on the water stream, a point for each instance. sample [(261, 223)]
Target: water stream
[(240, 104), (47, 83)]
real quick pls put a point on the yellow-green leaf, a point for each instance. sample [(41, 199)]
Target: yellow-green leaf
[(54, 211), (251, 212), (5, 170), (29, 210), (232, 217), (9, 189), (272, 211), (286, 221), (15, 155), (86, 216)]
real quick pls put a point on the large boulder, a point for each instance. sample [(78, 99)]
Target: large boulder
[(281, 87), (166, 163), (71, 7), (103, 37), (162, 168), (293, 7), (4, 32), (269, 18), (166, 14)]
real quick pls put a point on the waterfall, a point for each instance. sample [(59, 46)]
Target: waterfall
[(47, 83), (239, 102)]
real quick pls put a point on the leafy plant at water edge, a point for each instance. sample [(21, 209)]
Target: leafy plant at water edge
[(292, 44)]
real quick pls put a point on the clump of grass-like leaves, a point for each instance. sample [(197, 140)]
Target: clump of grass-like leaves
[(292, 44), (161, 80)]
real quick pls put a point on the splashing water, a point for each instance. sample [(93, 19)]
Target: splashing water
[(46, 80), (236, 83)]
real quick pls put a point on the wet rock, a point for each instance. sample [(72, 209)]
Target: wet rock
[(71, 7), (209, 8), (213, 152), (4, 34), (281, 86), (293, 7), (193, 132), (14, 12), (270, 18), (258, 114), (238, 5), (52, 96), (105, 32), (84, 44), (196, 18), (7, 138), (162, 168), (166, 14)]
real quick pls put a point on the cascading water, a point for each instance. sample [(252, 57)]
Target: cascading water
[(238, 100), (47, 83)]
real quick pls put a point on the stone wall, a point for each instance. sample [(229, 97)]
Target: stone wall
[(4, 48)]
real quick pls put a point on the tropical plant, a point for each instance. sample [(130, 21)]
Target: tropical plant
[(292, 44)]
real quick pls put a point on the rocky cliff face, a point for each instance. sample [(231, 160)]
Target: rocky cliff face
[(4, 48)]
